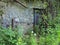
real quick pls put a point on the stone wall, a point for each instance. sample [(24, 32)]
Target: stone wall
[(22, 16)]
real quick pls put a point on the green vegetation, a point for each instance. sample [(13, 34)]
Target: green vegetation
[(10, 37)]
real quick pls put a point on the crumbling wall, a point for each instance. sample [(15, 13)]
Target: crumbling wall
[(19, 14)]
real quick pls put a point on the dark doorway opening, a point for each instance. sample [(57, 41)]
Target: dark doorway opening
[(37, 14), (39, 20)]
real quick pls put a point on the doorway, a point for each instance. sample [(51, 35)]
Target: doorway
[(37, 15)]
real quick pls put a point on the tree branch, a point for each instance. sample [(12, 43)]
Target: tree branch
[(20, 3)]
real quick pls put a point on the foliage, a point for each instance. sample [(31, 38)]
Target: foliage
[(7, 36), (33, 40), (20, 41), (42, 40)]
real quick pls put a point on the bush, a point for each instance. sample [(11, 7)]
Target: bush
[(7, 36)]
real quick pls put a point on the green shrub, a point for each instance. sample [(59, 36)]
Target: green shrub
[(41, 40), (33, 39), (7, 36)]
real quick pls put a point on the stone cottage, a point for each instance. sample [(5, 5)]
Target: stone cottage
[(21, 13)]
